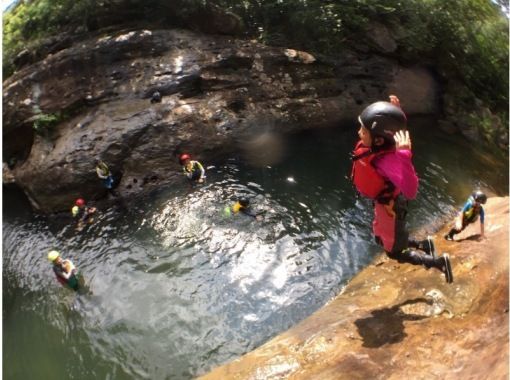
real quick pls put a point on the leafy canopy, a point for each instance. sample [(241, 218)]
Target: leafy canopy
[(463, 39)]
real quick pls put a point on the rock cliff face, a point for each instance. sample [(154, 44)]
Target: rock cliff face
[(396, 321), (217, 91)]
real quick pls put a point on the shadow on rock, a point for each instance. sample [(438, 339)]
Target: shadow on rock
[(387, 325), (475, 237)]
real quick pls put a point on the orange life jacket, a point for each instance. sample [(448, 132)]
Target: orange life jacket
[(365, 177)]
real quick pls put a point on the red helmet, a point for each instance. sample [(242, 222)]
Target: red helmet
[(184, 157), (80, 202)]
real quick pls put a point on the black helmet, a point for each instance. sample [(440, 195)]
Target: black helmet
[(156, 97), (479, 197), (383, 119), (243, 201)]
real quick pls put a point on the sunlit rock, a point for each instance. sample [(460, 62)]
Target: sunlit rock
[(416, 325)]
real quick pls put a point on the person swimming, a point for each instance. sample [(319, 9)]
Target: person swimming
[(65, 271), (242, 206), (82, 213), (193, 170)]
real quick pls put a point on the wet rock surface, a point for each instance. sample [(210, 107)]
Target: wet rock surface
[(397, 321), (216, 91)]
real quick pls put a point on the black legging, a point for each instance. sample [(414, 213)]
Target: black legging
[(411, 256), (401, 251), (422, 245), (455, 231)]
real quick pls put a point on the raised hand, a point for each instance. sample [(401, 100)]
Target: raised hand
[(394, 100), (402, 140)]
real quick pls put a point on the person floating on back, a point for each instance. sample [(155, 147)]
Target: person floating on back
[(64, 270), (471, 211), (193, 170), (383, 171), (82, 213), (242, 205)]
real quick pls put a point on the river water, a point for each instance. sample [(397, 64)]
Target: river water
[(175, 287)]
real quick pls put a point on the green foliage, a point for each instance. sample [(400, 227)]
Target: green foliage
[(45, 122), (466, 40), (316, 25), (33, 20)]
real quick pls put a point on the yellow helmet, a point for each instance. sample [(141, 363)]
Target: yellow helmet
[(53, 255), (75, 210), (236, 207)]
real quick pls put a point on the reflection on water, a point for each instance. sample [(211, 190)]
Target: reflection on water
[(175, 287)]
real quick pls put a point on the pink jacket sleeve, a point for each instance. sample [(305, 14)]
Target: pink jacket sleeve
[(398, 168)]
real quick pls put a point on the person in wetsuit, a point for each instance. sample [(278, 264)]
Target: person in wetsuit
[(470, 213), (82, 213), (193, 170), (65, 271), (383, 171), (242, 206)]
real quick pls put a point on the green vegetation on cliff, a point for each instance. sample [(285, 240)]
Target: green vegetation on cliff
[(466, 40)]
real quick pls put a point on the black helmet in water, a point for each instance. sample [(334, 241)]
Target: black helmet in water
[(243, 201), (383, 119), (479, 197)]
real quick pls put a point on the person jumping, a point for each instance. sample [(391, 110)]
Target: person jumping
[(383, 171)]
